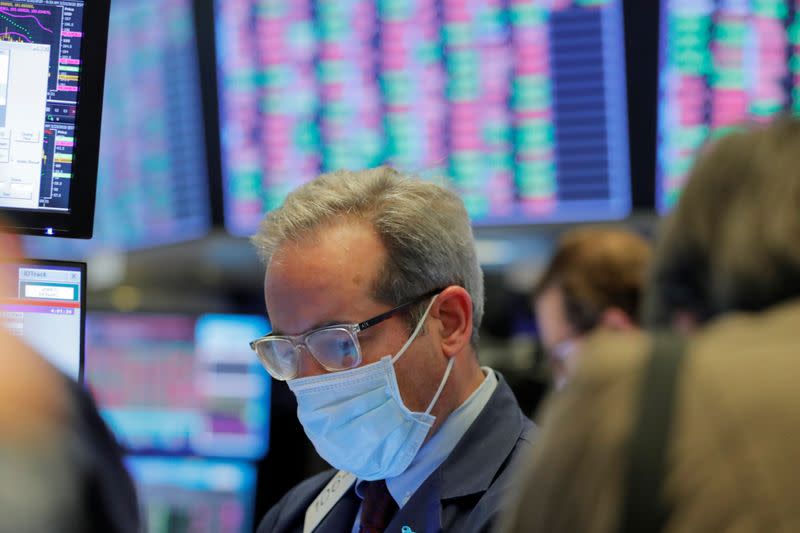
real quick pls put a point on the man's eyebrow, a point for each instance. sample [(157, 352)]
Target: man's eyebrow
[(315, 327)]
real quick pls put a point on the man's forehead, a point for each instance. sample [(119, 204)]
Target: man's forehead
[(340, 249), (334, 269)]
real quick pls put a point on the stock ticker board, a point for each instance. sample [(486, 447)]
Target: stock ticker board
[(520, 105), (723, 63)]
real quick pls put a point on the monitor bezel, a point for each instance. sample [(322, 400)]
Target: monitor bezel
[(65, 264), (78, 221)]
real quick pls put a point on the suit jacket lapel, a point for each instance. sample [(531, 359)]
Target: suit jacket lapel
[(486, 445), (340, 519), (471, 467), (423, 512)]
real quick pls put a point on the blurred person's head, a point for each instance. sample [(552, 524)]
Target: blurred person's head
[(732, 241), (348, 247), (594, 279), (59, 468), (37, 479)]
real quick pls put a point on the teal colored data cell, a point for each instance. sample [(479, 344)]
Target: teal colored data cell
[(477, 205), (731, 33), (535, 134), (428, 52), (457, 34), (497, 134), (528, 14), (794, 31), (331, 71), (536, 173), (392, 10), (777, 9), (728, 78), (765, 108), (463, 63)]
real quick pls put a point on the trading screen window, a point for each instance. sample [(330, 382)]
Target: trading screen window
[(152, 185), (44, 310), (180, 385), (520, 103), (723, 62), (40, 45), (198, 495)]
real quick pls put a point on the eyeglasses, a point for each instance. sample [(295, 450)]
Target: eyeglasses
[(334, 347)]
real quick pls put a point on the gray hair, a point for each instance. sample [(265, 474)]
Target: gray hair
[(424, 227)]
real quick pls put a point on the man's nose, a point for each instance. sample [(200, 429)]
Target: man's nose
[(308, 366)]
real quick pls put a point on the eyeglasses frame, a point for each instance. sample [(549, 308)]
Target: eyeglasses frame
[(353, 329)]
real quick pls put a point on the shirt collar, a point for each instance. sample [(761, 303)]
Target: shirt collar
[(433, 453)]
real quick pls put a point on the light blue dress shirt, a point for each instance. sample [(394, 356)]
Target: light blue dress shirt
[(433, 453)]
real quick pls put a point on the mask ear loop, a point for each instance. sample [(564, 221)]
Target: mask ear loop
[(417, 329), (408, 343), (441, 385)]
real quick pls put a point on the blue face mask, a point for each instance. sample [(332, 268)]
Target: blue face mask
[(356, 418)]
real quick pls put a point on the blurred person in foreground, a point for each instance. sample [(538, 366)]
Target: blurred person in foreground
[(60, 468), (594, 279), (723, 400), (375, 294)]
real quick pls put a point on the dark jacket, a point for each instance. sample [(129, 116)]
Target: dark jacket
[(109, 496), (464, 494)]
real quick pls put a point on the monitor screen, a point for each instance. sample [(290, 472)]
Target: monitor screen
[(194, 495), (521, 104), (152, 184), (52, 57), (722, 63), (179, 384), (46, 309)]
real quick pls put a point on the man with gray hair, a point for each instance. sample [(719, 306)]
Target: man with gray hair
[(375, 295)]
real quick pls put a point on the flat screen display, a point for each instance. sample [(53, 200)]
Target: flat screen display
[(194, 495), (45, 308), (153, 181), (521, 104), (722, 63), (52, 58), (179, 384)]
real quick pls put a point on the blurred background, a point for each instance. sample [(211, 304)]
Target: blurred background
[(541, 114)]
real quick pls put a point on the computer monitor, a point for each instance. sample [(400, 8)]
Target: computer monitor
[(52, 63), (521, 104), (194, 495), (721, 64), (46, 308), (152, 185), (180, 384)]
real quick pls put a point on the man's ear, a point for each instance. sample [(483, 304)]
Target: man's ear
[(453, 309), (616, 319)]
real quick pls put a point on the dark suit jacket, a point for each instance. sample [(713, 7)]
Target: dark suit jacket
[(464, 494)]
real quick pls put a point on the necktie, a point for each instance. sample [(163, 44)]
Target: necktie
[(378, 508)]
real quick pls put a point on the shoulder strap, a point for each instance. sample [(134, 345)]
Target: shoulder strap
[(327, 499), (643, 508)]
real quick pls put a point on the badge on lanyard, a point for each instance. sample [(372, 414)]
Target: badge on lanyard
[(324, 502)]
